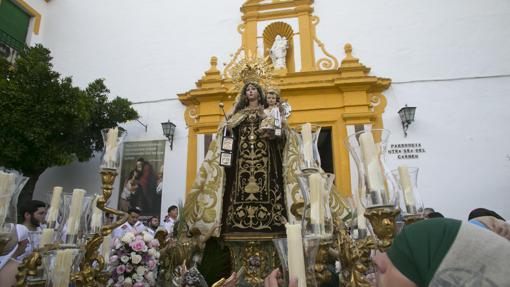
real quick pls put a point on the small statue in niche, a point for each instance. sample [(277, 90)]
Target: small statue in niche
[(278, 52)]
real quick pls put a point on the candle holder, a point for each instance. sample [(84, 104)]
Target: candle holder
[(112, 138), (377, 187), (92, 265), (383, 222), (74, 239), (11, 184), (58, 265), (376, 184), (310, 246), (412, 204), (309, 157), (354, 256), (315, 188), (6, 233)]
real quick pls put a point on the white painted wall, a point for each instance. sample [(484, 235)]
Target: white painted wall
[(153, 50)]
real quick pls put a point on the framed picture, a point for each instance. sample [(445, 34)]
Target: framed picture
[(141, 176)]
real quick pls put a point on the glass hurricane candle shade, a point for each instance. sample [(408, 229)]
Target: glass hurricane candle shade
[(11, 184), (376, 185), (74, 238), (58, 265), (411, 202), (309, 152), (315, 188), (112, 139), (310, 246)]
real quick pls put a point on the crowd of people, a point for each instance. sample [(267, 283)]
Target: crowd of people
[(437, 251)]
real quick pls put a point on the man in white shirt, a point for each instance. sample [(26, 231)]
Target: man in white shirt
[(152, 225), (173, 212), (33, 213), (132, 224)]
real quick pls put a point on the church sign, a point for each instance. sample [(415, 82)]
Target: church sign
[(406, 150)]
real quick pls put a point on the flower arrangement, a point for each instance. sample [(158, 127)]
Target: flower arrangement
[(134, 260)]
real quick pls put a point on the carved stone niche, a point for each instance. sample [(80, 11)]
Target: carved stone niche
[(285, 30)]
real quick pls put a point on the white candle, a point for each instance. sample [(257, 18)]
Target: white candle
[(73, 223), (46, 237), (372, 165), (306, 133), (296, 257), (62, 270), (54, 204), (106, 248), (96, 220), (110, 156), (360, 210), (316, 198), (407, 186), (7, 181)]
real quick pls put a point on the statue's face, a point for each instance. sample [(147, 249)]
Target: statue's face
[(271, 99), (252, 93)]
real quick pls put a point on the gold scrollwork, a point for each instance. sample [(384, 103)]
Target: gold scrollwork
[(329, 62)]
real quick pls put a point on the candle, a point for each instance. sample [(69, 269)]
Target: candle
[(106, 248), (97, 216), (54, 204), (306, 133), (407, 187), (62, 271), (360, 210), (110, 156), (373, 168), (316, 198), (296, 257), (7, 181), (46, 237), (73, 223)]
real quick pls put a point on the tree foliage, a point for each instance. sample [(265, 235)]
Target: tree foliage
[(45, 120)]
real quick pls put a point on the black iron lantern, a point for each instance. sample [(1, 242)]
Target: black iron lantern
[(407, 117), (169, 131)]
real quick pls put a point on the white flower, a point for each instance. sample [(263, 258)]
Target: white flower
[(157, 255), (135, 258), (150, 277), (110, 282), (128, 282), (140, 270), (128, 237), (137, 278), (144, 249), (120, 279), (124, 259), (147, 237), (152, 252)]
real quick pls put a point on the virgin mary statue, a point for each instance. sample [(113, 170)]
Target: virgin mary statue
[(252, 197)]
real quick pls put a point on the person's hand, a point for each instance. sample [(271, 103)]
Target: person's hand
[(272, 279)]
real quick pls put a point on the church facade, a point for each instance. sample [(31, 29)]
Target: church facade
[(349, 66)]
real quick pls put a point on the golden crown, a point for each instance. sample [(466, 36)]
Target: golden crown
[(252, 69)]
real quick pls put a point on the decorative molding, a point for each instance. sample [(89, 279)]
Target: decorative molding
[(32, 12)]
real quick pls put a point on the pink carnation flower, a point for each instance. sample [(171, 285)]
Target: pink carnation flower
[(121, 269), (114, 258), (137, 245), (154, 243), (151, 264), (129, 268)]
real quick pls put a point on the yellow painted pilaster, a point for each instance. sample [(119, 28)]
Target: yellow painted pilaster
[(250, 37), (341, 158), (191, 168), (306, 43)]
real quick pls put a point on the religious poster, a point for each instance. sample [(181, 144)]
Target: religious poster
[(141, 176)]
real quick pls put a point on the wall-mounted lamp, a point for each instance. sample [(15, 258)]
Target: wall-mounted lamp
[(169, 131), (407, 117)]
